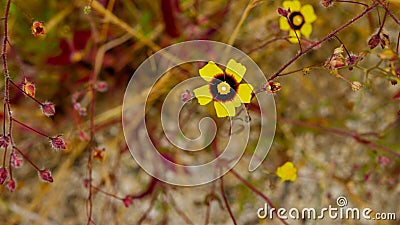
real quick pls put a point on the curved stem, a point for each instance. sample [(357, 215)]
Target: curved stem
[(256, 191), (226, 200)]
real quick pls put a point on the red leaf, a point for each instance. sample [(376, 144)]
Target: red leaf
[(170, 9), (64, 58), (80, 39)]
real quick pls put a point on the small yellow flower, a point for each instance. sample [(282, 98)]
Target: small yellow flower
[(98, 154), (298, 20), (224, 88), (287, 172), (38, 29)]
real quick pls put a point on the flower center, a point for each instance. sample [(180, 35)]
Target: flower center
[(223, 87), (297, 20)]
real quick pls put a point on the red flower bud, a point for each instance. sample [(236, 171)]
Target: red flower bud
[(11, 185), (4, 141), (16, 160), (86, 183), (101, 86), (367, 176), (283, 12), (186, 96), (81, 110), (3, 175), (383, 160), (128, 200), (45, 175), (57, 143), (373, 41), (48, 109), (327, 3)]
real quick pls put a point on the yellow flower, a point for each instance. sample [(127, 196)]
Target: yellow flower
[(298, 20), (224, 89), (287, 172)]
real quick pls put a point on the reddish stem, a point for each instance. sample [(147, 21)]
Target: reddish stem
[(329, 36), (21, 90), (106, 193), (354, 2), (256, 191), (226, 200), (179, 211), (208, 210), (27, 158), (343, 133), (6, 72), (146, 213), (383, 22), (31, 128), (263, 45), (389, 12), (16, 58)]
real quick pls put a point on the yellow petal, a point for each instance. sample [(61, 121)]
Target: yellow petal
[(236, 101), (203, 94), (306, 29), (292, 5), (235, 69), (244, 92), (308, 13), (224, 109), (287, 172), (209, 71), (284, 24), (293, 37)]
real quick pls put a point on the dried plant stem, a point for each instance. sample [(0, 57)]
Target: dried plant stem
[(257, 192), (27, 158), (329, 36), (106, 193), (389, 12), (146, 213), (208, 210), (246, 12), (128, 28), (266, 43), (31, 128), (226, 200), (6, 72), (179, 211), (21, 90), (357, 137), (354, 2)]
